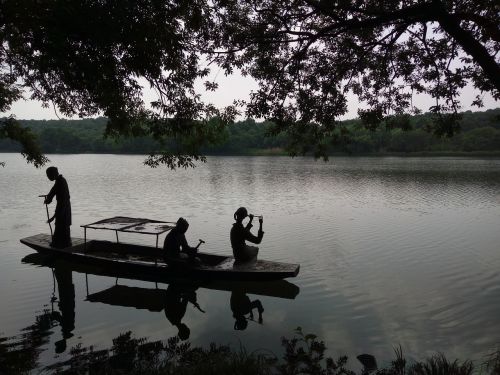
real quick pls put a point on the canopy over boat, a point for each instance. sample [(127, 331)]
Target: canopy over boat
[(131, 225)]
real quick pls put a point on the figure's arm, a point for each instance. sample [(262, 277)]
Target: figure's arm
[(249, 225), (184, 244), (260, 234), (51, 195), (252, 238)]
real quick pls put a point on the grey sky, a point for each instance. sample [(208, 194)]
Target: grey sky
[(238, 87)]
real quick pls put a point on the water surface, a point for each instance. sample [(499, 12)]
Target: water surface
[(393, 251)]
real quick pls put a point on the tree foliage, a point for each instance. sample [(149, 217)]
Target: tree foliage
[(480, 132), (11, 129), (308, 55), (87, 58), (91, 58)]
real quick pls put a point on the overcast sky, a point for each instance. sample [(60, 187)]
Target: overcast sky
[(237, 87)]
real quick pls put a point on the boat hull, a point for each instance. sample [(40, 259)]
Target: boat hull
[(148, 261)]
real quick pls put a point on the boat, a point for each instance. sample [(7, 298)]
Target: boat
[(148, 261)]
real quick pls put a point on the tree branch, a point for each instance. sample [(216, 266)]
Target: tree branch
[(470, 45)]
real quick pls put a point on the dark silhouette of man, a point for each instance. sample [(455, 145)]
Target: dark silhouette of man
[(239, 234), (175, 241), (62, 214)]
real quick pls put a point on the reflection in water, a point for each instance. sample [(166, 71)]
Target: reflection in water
[(21, 353), (174, 300), (177, 298), (241, 306), (66, 314)]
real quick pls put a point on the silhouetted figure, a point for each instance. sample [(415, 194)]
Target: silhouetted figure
[(239, 234), (66, 314), (62, 215), (241, 306), (175, 242), (176, 301)]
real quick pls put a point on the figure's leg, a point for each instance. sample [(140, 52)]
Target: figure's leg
[(62, 236), (57, 237), (66, 236), (251, 252), (192, 255)]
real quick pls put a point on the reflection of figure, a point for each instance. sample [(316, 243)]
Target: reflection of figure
[(239, 234), (62, 215), (241, 306), (66, 314), (175, 241), (176, 301)]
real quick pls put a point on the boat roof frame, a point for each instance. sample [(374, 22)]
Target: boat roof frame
[(126, 224), (132, 225)]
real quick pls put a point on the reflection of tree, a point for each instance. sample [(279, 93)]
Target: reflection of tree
[(19, 354)]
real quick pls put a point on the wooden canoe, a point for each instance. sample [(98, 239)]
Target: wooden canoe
[(146, 260)]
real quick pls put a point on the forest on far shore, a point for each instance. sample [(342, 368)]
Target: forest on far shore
[(480, 132)]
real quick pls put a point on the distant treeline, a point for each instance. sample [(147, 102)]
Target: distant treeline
[(480, 132)]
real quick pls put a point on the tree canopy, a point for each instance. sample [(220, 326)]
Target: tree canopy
[(89, 57)]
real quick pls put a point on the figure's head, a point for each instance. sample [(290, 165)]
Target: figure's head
[(52, 173), (182, 225), (240, 214), (241, 323), (184, 331)]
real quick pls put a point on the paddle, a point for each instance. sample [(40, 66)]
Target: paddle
[(201, 241), (48, 216)]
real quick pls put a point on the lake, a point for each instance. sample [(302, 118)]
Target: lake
[(393, 251)]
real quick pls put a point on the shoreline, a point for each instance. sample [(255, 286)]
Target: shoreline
[(274, 152)]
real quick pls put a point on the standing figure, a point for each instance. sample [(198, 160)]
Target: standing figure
[(62, 215), (175, 241), (239, 234)]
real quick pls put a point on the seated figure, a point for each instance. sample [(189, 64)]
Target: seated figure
[(239, 234), (175, 242)]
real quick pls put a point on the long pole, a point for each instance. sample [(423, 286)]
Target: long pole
[(48, 216)]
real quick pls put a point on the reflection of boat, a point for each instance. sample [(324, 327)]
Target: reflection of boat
[(173, 301), (131, 296), (276, 288), (146, 260)]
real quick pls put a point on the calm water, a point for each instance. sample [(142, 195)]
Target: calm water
[(392, 250)]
